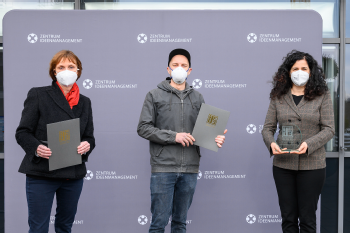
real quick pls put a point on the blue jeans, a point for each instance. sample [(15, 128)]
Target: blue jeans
[(171, 195), (40, 194)]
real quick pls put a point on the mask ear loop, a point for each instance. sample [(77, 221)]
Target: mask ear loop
[(170, 73), (187, 75)]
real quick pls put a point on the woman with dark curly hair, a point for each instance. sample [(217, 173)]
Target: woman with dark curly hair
[(299, 100)]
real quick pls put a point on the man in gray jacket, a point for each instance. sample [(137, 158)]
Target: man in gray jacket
[(168, 114)]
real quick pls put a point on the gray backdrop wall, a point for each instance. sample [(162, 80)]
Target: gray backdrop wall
[(124, 55)]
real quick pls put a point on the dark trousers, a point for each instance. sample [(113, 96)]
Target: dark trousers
[(171, 195), (298, 194), (40, 195)]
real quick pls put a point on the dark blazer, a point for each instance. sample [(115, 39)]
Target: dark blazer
[(45, 105), (315, 120)]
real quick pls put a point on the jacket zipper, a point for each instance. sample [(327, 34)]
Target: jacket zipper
[(182, 114), (182, 107)]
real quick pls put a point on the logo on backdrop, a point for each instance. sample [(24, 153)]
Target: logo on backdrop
[(50, 38), (199, 175), (252, 37), (142, 220), (251, 128), (160, 38), (250, 219), (142, 38), (112, 175), (210, 175), (108, 175), (89, 175), (77, 222), (197, 83), (106, 84), (263, 219), (87, 84), (32, 38)]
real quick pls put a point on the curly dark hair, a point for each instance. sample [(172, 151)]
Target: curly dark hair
[(316, 86)]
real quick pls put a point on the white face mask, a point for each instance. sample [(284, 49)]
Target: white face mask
[(179, 75), (66, 77), (300, 77)]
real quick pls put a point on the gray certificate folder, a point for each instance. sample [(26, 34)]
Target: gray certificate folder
[(211, 122), (63, 138)]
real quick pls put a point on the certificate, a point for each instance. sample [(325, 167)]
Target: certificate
[(211, 122), (63, 138)]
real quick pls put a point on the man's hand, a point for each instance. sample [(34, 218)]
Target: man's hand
[(220, 139), (184, 139), (43, 152)]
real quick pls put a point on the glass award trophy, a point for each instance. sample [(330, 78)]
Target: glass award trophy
[(290, 139)]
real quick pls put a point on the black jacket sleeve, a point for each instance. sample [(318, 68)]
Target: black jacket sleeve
[(27, 126), (88, 134)]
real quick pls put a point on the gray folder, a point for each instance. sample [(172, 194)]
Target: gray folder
[(63, 138), (211, 122)]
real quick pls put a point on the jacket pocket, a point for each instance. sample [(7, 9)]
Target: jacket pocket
[(160, 151)]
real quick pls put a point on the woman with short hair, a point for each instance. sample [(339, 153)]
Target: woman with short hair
[(44, 105), (300, 100)]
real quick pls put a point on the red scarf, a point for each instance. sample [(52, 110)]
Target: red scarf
[(73, 95)]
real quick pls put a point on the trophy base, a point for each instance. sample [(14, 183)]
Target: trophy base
[(291, 150)]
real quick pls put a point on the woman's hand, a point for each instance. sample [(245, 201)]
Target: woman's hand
[(276, 150), (220, 139), (184, 139), (83, 147), (302, 149), (43, 152)]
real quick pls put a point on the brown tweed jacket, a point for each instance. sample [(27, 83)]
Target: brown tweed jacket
[(315, 120)]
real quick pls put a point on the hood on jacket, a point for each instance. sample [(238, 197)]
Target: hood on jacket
[(165, 85)]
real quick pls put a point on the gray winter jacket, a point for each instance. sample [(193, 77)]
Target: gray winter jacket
[(165, 112)]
